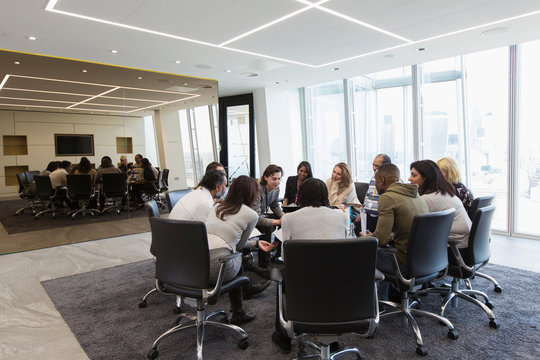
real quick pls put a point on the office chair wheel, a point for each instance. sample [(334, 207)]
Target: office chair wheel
[(453, 334), (152, 354), (489, 305), (243, 344), (494, 324), (177, 310), (421, 350), (497, 289), (142, 304)]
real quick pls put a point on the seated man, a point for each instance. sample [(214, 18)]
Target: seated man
[(59, 182), (398, 205), (372, 196), (314, 220)]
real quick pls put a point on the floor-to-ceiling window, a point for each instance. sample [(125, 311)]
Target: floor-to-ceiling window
[(528, 147)]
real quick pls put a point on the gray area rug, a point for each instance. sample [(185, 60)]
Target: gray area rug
[(101, 309)]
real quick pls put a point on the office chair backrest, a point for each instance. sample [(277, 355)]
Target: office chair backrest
[(114, 184), (174, 196), (427, 251), (44, 188), (478, 250), (30, 175), (79, 186), (182, 256), (361, 189), (165, 178), (480, 202), (152, 209), (23, 182), (330, 280)]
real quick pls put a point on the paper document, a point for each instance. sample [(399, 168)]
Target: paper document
[(278, 234), (255, 233)]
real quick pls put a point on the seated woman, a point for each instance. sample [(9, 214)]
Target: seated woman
[(85, 168), (439, 195), (229, 226), (342, 193), (450, 171), (145, 184), (314, 220), (293, 183)]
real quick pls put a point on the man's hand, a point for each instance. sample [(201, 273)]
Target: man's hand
[(265, 246)]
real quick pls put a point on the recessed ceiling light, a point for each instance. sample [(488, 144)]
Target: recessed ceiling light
[(84, 70), (113, 51), (204, 66), (140, 77), (186, 84), (228, 70), (495, 32), (276, 82), (249, 74), (177, 61), (389, 56), (17, 63), (335, 69), (420, 49), (33, 38)]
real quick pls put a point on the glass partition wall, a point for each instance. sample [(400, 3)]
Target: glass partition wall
[(480, 109)]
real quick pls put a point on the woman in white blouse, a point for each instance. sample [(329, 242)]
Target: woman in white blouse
[(341, 190)]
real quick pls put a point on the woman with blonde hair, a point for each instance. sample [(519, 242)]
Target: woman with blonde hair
[(450, 171), (341, 190)]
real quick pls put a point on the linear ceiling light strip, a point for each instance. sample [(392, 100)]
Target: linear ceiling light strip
[(4, 81), (164, 103), (48, 92), (93, 97)]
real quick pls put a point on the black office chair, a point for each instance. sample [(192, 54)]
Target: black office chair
[(25, 192), (46, 194), (183, 268), (115, 188), (80, 189), (361, 189), (478, 203), (174, 196), (151, 191), (466, 261), (337, 298), (427, 260), (164, 181)]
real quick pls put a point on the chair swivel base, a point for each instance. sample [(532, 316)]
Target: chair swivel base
[(406, 310), (178, 308), (83, 211), (496, 287), (200, 323), (45, 211), (32, 206), (323, 352)]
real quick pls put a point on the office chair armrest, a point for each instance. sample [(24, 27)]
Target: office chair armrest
[(221, 275), (457, 256), (397, 271)]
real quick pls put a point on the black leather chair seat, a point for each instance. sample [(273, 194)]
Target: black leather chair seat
[(197, 293)]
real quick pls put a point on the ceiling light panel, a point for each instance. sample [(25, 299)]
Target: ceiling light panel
[(164, 96), (419, 19), (209, 21), (31, 102), (316, 37), (54, 85), (29, 94), (103, 100)]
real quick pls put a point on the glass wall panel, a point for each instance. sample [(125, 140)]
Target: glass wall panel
[(203, 130), (326, 140), (186, 148), (528, 201), (238, 140)]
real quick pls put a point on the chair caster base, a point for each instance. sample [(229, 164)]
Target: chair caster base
[(489, 305), (421, 350), (243, 344), (177, 310), (152, 354), (497, 289), (494, 324), (453, 334), (142, 304)]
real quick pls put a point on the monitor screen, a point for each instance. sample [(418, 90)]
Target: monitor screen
[(74, 145)]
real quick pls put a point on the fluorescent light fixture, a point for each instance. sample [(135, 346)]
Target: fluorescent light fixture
[(93, 97), (165, 103), (4, 81), (30, 99), (47, 91)]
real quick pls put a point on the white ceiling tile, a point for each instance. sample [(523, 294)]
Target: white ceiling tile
[(315, 37)]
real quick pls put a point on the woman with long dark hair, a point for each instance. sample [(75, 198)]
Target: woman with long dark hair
[(293, 183), (229, 226), (439, 194), (85, 168)]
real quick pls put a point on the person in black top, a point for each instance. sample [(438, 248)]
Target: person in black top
[(146, 184), (293, 183)]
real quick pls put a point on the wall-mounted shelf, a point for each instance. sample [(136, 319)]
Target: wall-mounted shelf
[(124, 145), (15, 145)]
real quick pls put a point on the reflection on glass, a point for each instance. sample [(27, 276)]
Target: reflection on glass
[(203, 131), (186, 148), (327, 143), (528, 157), (487, 117), (238, 140)]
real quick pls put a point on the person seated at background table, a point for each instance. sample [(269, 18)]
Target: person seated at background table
[(268, 198), (106, 167), (229, 226), (85, 168), (293, 183), (31, 189), (342, 192), (372, 196), (197, 204), (59, 182), (450, 171), (124, 166), (314, 220), (145, 183), (439, 195), (398, 205)]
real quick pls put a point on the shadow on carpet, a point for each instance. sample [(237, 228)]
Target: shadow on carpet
[(101, 308), (25, 222)]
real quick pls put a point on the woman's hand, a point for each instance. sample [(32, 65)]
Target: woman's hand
[(276, 222), (265, 246)]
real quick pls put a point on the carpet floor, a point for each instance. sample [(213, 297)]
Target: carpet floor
[(101, 309)]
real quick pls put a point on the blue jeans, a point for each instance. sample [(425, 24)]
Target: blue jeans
[(385, 259)]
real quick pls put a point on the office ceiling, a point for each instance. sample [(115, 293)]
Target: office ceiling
[(248, 44)]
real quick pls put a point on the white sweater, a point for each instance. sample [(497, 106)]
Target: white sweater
[(233, 232), (461, 225)]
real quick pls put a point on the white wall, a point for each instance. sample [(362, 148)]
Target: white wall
[(40, 127), (172, 147)]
